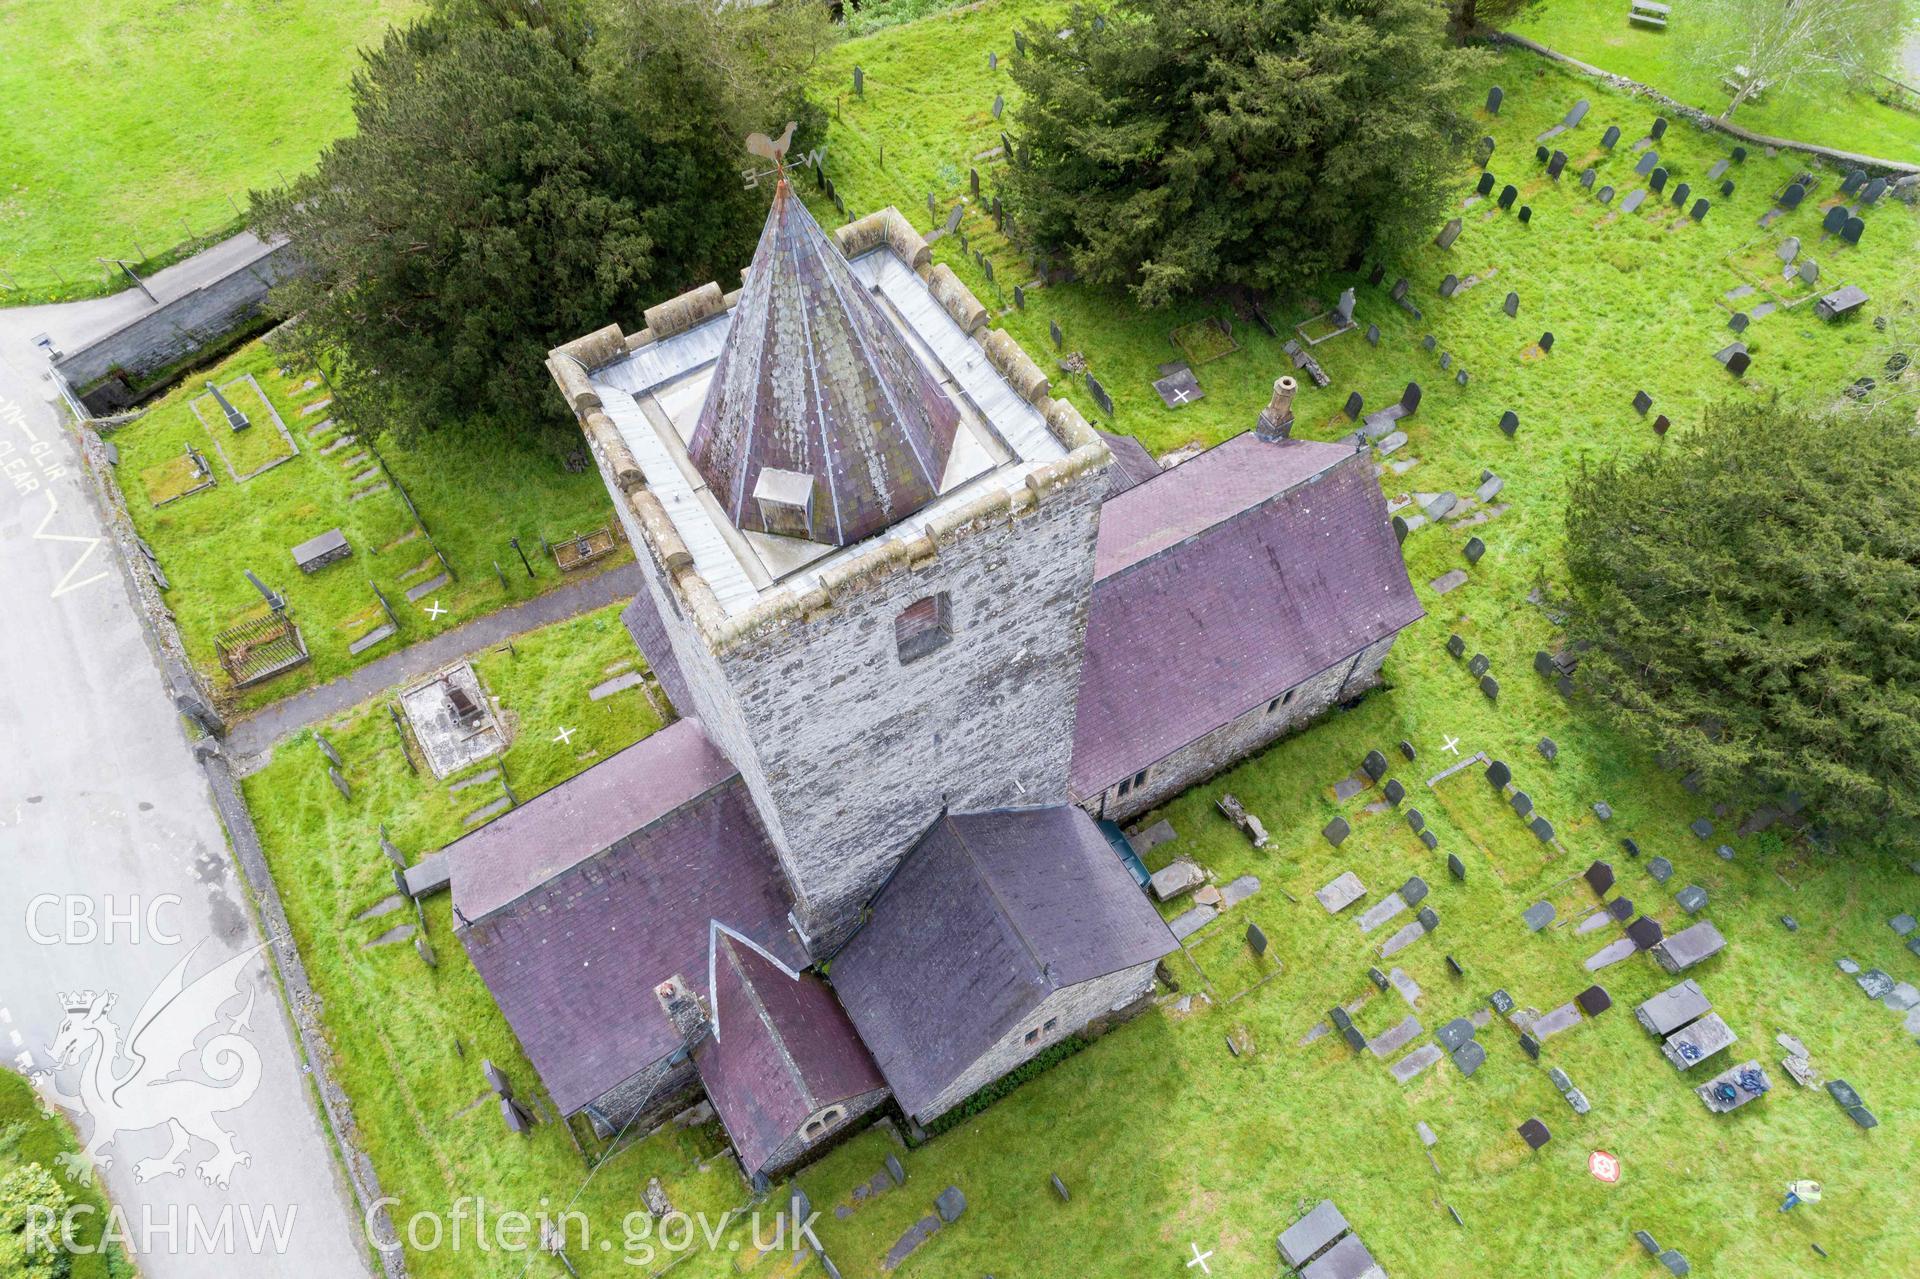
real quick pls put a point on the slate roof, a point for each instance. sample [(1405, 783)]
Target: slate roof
[(581, 924), (784, 1052), (988, 915), (582, 816), (816, 379), (1132, 464), (1222, 583)]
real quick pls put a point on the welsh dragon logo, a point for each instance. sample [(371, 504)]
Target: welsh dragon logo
[(137, 1085)]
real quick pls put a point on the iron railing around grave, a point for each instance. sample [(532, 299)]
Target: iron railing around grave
[(260, 648)]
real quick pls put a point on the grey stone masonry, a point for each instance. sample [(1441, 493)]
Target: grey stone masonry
[(1070, 1011), (850, 754)]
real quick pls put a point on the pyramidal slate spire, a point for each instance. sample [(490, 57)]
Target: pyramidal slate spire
[(820, 422)]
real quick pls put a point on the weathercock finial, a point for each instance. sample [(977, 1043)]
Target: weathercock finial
[(774, 149)]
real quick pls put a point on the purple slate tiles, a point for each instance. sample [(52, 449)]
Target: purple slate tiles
[(1223, 582)]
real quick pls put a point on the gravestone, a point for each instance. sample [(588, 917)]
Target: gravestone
[(1599, 877), (1456, 867), (1414, 891), (1699, 210), (1053, 331), (1309, 1236), (1546, 343), (1645, 933), (1549, 749), (1540, 154), (1429, 919), (1394, 791), (1657, 180), (1659, 129), (1556, 164), (1522, 803), (1485, 186), (1642, 402), (1680, 193), (1448, 234), (1456, 646), (1692, 899), (1594, 1000), (1100, 396), (1510, 422), (1576, 114), (1483, 152), (1611, 137), (1019, 298), (1432, 842), (1726, 189), (1542, 829), (1494, 95), (1373, 335), (1341, 892), (1634, 199), (1835, 219), (1604, 195), (1526, 214), (1648, 162), (1535, 1134), (1416, 820), (1498, 775), (1447, 288), (1470, 1056), (1789, 248), (1791, 197), (1586, 178), (1410, 399), (1336, 831), (1689, 946), (1508, 194), (950, 1203), (1738, 362), (859, 79), (1374, 765), (1530, 1046), (1474, 549), (1851, 232), (999, 105), (1353, 406), (1875, 189), (1512, 305)]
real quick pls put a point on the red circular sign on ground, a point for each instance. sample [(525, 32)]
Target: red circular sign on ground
[(1604, 1166)]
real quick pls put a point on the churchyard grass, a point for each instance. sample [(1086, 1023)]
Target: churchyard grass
[(125, 118), (1164, 1137), (475, 492), (406, 1040), (30, 1135), (1597, 32)]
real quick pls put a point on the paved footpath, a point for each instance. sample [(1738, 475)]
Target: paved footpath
[(257, 733), (114, 870)]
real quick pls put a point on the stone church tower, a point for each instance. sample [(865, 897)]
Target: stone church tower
[(869, 542)]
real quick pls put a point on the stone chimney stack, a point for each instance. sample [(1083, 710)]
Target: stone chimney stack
[(1276, 420)]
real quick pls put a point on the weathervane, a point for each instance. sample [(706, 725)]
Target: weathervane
[(774, 149)]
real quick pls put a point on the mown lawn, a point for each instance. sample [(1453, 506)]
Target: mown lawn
[(30, 1135), (408, 1040), (474, 492), (1597, 32), (133, 125)]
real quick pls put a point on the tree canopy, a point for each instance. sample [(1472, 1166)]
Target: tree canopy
[(1751, 596), (518, 179), (1783, 45), (1174, 148)]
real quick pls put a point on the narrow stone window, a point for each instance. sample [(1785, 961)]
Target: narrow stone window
[(923, 627)]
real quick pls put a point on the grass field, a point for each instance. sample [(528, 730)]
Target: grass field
[(475, 493), (29, 1136), (1165, 1139), (1597, 32), (136, 124)]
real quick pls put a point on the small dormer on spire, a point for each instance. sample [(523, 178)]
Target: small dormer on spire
[(820, 422)]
